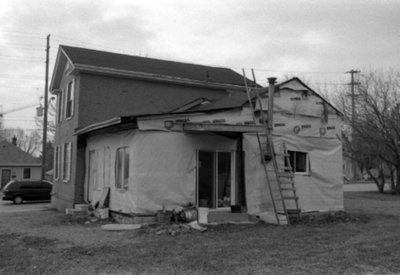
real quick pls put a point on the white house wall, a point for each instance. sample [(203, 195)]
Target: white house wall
[(162, 168), (320, 190)]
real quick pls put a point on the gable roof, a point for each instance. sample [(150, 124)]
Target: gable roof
[(308, 88), (12, 155), (81, 58)]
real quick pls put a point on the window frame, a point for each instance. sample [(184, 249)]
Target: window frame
[(122, 170), (60, 105), (293, 162), (23, 173), (69, 100), (57, 162), (66, 161)]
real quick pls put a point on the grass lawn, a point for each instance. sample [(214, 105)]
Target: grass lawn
[(366, 240)]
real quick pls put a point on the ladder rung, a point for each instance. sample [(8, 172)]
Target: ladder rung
[(286, 174), (289, 212), (286, 184), (288, 189), (291, 198)]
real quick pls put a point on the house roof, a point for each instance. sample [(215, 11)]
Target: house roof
[(93, 59), (308, 88), (13, 155)]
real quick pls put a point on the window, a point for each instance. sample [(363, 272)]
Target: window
[(122, 168), (56, 162), (299, 162), (69, 100), (66, 161), (27, 173), (60, 106)]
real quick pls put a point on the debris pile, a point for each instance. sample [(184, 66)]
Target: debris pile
[(173, 229)]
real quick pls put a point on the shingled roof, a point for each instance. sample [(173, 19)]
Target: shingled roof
[(100, 59), (12, 155)]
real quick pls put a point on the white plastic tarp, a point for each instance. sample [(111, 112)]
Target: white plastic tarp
[(162, 168), (320, 190)]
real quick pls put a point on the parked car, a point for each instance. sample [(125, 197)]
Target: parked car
[(27, 190)]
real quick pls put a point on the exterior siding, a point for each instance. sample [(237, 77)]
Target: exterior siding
[(18, 172), (64, 191), (103, 98), (98, 98)]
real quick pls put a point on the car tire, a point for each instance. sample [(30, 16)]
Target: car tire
[(17, 200)]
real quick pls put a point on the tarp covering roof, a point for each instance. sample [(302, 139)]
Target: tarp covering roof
[(150, 65), (11, 154)]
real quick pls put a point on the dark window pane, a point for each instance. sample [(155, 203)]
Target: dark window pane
[(206, 179), (224, 179), (301, 162)]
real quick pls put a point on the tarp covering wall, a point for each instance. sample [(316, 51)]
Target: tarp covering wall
[(319, 190), (162, 168)]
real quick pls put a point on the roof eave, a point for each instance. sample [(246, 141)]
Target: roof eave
[(152, 77), (61, 60)]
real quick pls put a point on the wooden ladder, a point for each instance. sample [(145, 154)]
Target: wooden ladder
[(279, 178), (286, 183)]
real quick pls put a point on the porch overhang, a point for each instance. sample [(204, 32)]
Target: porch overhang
[(213, 127)]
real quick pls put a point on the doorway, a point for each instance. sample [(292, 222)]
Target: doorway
[(216, 179), (5, 176)]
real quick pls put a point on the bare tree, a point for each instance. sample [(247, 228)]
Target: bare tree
[(375, 132), (30, 143)]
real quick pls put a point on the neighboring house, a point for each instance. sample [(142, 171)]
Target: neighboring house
[(17, 164), (159, 134)]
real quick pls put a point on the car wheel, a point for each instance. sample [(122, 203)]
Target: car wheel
[(17, 200)]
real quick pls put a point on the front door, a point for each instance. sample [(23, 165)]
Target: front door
[(5, 176), (215, 180)]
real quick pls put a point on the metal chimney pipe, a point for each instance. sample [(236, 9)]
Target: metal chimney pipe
[(271, 94)]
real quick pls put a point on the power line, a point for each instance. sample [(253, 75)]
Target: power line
[(26, 33), (295, 72)]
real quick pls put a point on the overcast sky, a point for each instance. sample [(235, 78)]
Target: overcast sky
[(315, 40)]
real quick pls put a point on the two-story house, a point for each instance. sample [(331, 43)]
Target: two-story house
[(160, 134)]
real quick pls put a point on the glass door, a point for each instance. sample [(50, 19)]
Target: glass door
[(214, 179)]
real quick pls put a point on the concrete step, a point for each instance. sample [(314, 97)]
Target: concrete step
[(216, 216), (81, 207)]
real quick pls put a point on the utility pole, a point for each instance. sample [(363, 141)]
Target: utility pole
[(353, 113), (46, 88)]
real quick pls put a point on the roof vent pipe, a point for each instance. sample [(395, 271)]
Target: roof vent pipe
[(271, 94), (14, 140)]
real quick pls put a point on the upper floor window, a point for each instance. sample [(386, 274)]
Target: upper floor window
[(60, 106), (65, 105), (122, 168), (69, 100)]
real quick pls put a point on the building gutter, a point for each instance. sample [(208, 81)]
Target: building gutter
[(98, 125)]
